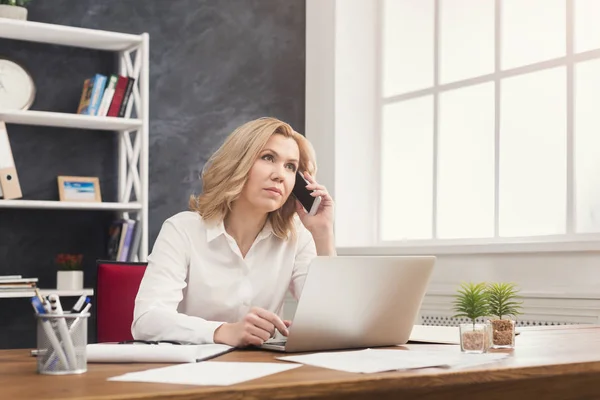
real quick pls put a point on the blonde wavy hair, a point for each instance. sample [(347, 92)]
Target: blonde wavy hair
[(227, 170)]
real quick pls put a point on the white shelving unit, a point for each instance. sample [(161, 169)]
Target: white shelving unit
[(44, 292), (63, 120), (70, 205), (69, 36), (132, 158)]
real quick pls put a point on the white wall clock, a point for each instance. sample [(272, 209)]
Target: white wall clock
[(17, 89)]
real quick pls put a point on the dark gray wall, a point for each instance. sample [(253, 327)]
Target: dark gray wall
[(213, 65)]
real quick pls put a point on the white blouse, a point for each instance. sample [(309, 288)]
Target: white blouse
[(197, 279)]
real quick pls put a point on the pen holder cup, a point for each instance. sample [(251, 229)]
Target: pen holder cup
[(61, 343)]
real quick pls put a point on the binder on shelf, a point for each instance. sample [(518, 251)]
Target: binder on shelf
[(9, 181)]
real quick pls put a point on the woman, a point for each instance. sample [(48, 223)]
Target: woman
[(219, 273)]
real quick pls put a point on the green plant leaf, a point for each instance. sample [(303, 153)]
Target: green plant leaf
[(501, 300), (471, 301)]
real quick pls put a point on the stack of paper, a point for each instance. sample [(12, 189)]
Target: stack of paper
[(435, 334), (206, 373), (381, 360)]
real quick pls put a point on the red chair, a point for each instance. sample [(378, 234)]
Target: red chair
[(117, 284)]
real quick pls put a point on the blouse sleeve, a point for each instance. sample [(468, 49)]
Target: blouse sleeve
[(161, 290)]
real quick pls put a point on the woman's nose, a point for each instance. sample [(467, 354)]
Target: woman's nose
[(278, 172)]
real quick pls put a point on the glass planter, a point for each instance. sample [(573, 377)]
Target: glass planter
[(475, 338), (503, 333)]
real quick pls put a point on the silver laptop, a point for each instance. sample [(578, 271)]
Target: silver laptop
[(357, 301)]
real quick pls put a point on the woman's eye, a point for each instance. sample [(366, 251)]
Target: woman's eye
[(267, 157), (292, 167)]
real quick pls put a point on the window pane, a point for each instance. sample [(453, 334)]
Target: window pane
[(533, 154), (587, 28), (407, 45), (532, 31), (466, 39), (587, 146), (407, 170), (466, 163)]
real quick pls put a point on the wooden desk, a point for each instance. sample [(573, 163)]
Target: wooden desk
[(553, 363)]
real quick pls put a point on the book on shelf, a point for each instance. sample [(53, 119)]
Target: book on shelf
[(122, 96), (18, 281), (86, 95), (123, 240), (125, 108), (107, 96), (126, 240), (91, 95), (3, 277), (13, 284), (8, 288), (98, 85), (104, 96), (135, 242)]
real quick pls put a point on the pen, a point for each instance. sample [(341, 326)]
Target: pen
[(52, 321), (78, 319), (80, 303), (39, 295), (56, 309), (39, 309), (74, 326)]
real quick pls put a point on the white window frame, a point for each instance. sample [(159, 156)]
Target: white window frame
[(332, 122), (570, 241)]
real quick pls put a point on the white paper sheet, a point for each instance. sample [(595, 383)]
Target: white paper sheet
[(206, 373), (148, 353), (435, 334), (381, 360)]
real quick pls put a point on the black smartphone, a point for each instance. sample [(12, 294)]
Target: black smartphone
[(310, 203)]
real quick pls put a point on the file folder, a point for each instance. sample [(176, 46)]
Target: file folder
[(9, 181)]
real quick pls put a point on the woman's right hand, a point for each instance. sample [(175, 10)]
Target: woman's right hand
[(253, 330)]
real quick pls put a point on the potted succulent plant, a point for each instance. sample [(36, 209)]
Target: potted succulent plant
[(502, 303), (471, 302), (14, 9), (70, 274)]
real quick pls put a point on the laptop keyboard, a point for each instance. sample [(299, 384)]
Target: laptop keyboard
[(277, 342)]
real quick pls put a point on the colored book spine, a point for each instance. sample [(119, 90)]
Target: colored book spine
[(126, 97), (127, 242), (108, 96), (85, 97), (99, 83), (115, 105), (135, 242)]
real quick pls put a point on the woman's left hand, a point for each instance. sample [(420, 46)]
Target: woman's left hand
[(321, 224)]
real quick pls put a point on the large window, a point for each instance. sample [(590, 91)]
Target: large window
[(490, 120)]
